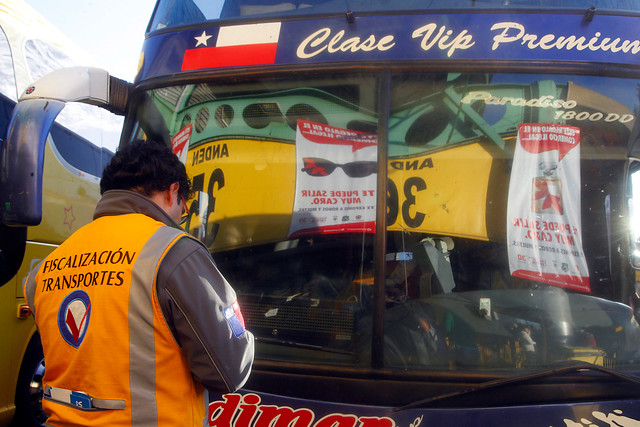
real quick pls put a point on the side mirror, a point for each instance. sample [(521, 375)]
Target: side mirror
[(22, 154), (22, 161)]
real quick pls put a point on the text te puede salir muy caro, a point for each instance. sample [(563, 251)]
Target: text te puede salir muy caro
[(336, 197), (547, 231)]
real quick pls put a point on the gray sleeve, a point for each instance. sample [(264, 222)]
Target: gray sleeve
[(197, 303), (29, 287)]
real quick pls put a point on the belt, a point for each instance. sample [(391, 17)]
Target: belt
[(80, 399)]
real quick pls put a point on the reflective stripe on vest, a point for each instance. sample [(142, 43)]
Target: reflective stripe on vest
[(141, 332)]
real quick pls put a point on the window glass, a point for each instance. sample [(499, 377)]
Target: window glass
[(503, 221), (506, 225), (7, 76), (281, 171)]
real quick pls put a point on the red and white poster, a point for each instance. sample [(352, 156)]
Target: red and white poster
[(544, 227), (335, 181), (180, 143)]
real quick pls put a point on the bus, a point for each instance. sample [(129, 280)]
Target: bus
[(430, 211), (80, 143)]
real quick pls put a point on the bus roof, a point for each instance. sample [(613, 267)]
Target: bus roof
[(176, 13)]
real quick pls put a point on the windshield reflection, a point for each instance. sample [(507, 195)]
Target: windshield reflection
[(503, 251)]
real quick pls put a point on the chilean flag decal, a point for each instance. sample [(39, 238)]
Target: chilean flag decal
[(74, 316), (237, 45), (235, 319)]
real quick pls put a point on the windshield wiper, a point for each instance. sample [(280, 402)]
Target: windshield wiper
[(301, 345), (574, 367)]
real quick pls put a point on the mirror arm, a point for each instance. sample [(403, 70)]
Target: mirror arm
[(82, 84)]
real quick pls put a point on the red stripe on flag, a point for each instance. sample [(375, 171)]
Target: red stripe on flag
[(229, 56)]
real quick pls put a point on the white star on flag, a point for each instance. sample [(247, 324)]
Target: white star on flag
[(202, 39)]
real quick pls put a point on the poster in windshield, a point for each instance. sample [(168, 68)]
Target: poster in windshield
[(335, 180), (543, 215)]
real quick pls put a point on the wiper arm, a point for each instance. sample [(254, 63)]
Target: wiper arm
[(301, 345), (523, 378)]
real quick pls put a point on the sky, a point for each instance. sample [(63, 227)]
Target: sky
[(111, 31)]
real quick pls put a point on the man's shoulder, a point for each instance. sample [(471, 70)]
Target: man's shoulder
[(185, 244)]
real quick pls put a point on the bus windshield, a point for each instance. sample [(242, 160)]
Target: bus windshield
[(496, 257), (175, 13)]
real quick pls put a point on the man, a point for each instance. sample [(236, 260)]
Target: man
[(134, 316)]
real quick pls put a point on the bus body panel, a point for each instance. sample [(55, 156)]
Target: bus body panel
[(234, 94), (563, 38), (255, 409)]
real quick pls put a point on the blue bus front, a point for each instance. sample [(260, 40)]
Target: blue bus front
[(428, 214)]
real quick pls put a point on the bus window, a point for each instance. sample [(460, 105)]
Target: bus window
[(7, 78), (285, 170), (79, 152), (303, 292), (451, 232)]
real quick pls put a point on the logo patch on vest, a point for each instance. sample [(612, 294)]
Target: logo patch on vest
[(234, 318), (74, 316)]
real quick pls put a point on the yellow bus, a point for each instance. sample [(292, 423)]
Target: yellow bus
[(429, 210), (30, 48)]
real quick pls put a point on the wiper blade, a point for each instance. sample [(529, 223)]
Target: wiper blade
[(301, 345), (575, 367)]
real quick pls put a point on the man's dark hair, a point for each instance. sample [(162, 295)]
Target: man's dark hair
[(145, 167)]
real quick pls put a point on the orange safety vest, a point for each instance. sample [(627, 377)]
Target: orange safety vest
[(110, 357)]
